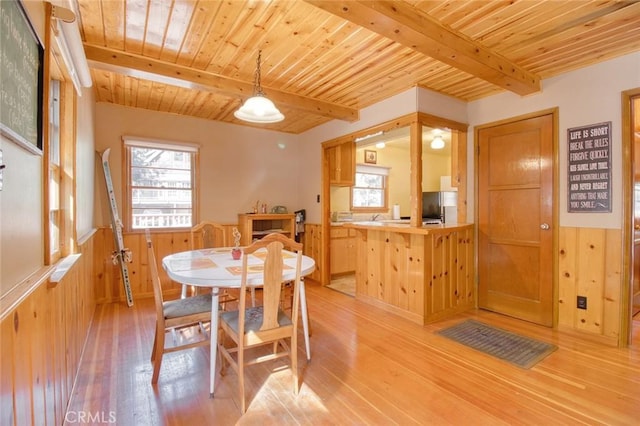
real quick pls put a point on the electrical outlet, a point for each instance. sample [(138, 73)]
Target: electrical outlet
[(582, 302)]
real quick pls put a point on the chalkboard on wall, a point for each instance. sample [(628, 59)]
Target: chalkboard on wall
[(20, 78)]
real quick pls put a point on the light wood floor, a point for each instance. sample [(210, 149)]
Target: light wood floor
[(368, 368)]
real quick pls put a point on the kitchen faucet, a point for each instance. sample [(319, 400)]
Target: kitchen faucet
[(375, 216)]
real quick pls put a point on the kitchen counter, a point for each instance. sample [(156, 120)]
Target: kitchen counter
[(423, 273), (404, 226)]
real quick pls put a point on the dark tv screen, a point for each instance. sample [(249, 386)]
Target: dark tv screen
[(431, 208)]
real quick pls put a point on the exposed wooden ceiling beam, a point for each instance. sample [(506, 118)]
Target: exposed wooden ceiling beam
[(177, 75), (410, 27)]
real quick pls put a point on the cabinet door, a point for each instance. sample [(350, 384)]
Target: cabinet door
[(339, 255), (343, 251), (341, 164)]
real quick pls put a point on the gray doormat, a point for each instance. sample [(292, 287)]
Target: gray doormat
[(519, 350)]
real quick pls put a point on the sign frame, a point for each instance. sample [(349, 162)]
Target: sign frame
[(589, 168)]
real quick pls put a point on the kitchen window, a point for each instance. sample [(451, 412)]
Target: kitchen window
[(160, 184), (370, 190)]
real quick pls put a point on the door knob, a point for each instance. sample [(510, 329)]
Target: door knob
[(637, 227), (544, 226)]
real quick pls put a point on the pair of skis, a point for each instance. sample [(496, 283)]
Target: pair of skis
[(120, 255)]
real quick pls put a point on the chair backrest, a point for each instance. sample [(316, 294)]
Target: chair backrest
[(272, 284), (208, 234), (154, 275)]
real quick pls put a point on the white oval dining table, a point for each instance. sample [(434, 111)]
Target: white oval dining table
[(215, 268)]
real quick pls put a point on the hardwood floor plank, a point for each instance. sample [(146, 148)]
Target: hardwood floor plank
[(368, 367)]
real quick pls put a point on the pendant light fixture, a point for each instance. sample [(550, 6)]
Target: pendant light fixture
[(258, 108)]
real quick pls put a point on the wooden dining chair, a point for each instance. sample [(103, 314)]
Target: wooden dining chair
[(204, 235), (172, 315), (249, 327), (209, 234)]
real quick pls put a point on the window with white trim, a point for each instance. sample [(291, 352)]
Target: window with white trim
[(55, 173), (370, 189), (160, 184)]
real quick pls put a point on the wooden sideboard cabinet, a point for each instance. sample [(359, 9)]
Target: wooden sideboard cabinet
[(342, 250), (341, 164), (255, 226)]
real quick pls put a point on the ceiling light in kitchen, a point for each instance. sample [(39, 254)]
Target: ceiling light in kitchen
[(437, 143)]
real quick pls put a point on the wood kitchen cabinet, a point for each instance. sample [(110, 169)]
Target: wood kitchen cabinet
[(341, 164), (342, 250), (255, 226)]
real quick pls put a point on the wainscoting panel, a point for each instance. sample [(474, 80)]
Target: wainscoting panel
[(590, 265), (43, 336)]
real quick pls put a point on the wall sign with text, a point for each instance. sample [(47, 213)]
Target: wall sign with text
[(589, 168)]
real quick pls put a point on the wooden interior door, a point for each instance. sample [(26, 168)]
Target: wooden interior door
[(635, 123), (515, 219)]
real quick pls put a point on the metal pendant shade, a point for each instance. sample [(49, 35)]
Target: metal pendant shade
[(258, 108)]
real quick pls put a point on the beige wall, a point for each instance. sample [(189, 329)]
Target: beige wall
[(238, 165), (85, 163), (21, 229), (21, 245)]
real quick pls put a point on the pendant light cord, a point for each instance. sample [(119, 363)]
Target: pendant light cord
[(257, 86)]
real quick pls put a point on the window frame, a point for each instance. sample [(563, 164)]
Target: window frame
[(137, 142), (372, 170), (54, 172)]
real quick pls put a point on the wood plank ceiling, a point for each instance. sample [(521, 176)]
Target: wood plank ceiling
[(324, 60)]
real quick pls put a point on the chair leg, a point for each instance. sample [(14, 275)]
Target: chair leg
[(253, 297), (158, 351), (183, 294), (221, 358), (243, 404), (293, 354), (155, 345)]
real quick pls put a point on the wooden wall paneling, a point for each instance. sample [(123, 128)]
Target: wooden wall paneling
[(399, 258), (590, 264), (58, 350), (142, 274), (23, 392), (417, 263), (455, 280), (467, 267), (590, 267), (567, 281), (99, 274), (312, 246), (49, 342), (138, 287), (7, 369), (361, 262), (70, 327), (394, 261), (437, 280), (36, 334), (42, 342), (375, 265), (451, 287), (612, 284), (457, 271), (112, 279)]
